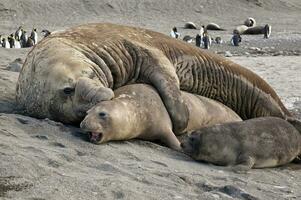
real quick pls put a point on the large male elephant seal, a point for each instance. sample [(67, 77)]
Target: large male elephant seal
[(254, 143), (137, 111), (69, 71)]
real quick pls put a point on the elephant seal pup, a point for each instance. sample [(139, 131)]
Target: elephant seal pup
[(137, 111), (250, 22), (214, 27), (254, 143), (71, 70)]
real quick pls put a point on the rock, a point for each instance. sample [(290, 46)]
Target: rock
[(228, 54), (254, 48), (15, 66)]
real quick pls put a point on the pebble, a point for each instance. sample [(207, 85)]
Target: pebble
[(228, 54)]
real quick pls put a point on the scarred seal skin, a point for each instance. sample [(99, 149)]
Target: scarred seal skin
[(69, 71), (137, 111)]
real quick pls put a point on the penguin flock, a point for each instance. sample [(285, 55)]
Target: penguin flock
[(19, 39), (204, 40)]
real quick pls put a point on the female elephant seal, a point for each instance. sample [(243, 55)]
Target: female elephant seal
[(69, 71), (137, 111), (214, 27), (254, 143), (190, 25)]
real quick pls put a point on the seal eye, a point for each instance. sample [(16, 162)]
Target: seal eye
[(68, 90), (102, 114)]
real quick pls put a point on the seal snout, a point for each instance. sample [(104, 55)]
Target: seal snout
[(95, 137), (94, 131), (188, 145)]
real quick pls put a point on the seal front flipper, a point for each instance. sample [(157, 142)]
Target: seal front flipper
[(159, 72), (245, 163), (171, 140)]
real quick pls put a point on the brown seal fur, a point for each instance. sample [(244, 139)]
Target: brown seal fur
[(137, 111), (254, 143), (69, 71)]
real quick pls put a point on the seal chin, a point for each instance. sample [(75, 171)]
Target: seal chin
[(95, 137)]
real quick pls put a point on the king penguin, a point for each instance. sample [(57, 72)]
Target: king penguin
[(18, 33), (34, 36), (24, 39)]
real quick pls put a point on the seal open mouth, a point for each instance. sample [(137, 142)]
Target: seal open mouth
[(95, 137)]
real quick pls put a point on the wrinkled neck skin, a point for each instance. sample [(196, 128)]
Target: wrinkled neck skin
[(114, 62), (217, 78)]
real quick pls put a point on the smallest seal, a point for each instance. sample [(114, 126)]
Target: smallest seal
[(255, 143)]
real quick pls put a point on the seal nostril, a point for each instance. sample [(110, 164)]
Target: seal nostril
[(100, 136)]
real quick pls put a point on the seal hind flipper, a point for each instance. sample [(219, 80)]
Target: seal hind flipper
[(245, 163)]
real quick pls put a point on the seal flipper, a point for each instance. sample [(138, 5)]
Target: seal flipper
[(160, 73), (244, 164), (171, 141)]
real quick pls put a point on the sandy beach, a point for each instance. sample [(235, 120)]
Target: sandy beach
[(43, 159)]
